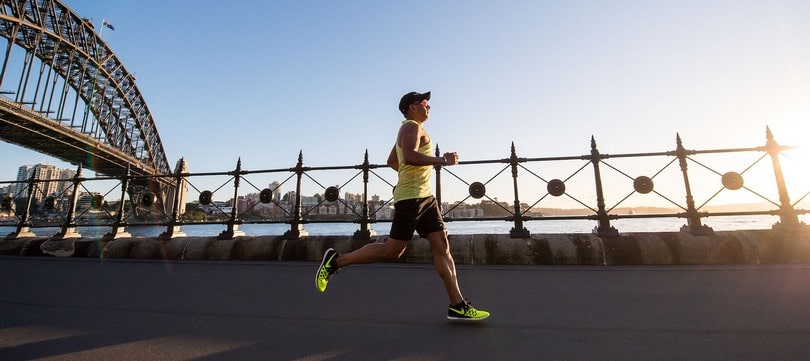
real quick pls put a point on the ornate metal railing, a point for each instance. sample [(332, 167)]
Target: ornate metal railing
[(29, 207)]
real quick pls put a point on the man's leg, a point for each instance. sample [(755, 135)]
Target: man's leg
[(405, 213), (460, 309), (391, 249), (370, 253), (445, 265)]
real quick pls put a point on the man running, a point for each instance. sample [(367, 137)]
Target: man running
[(415, 209)]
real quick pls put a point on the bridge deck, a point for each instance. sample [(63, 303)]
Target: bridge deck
[(71, 309), (29, 129)]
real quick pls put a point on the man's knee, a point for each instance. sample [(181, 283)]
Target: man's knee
[(395, 248), (439, 242)]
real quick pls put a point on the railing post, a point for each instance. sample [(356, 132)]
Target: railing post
[(693, 224), (438, 169), (518, 231), (69, 228), (787, 214), (296, 228), (365, 233), (24, 227), (603, 229), (173, 228), (233, 222), (119, 226)]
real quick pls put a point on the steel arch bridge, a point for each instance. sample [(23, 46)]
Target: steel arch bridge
[(65, 93)]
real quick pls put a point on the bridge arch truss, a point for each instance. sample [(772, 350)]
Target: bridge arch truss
[(58, 71)]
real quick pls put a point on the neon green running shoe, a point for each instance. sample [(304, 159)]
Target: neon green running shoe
[(326, 270), (464, 311)]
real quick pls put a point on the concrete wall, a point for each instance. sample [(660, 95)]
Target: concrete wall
[(659, 248)]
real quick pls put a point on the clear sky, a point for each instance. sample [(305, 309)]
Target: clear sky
[(262, 80)]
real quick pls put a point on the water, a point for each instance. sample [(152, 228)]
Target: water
[(476, 227)]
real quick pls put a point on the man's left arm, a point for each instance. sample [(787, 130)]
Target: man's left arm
[(393, 161)]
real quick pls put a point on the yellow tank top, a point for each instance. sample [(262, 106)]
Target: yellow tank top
[(414, 181)]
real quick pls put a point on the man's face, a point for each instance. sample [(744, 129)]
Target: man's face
[(420, 110)]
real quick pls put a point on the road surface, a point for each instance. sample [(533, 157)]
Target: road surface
[(80, 309)]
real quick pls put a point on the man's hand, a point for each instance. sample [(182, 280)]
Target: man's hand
[(450, 158)]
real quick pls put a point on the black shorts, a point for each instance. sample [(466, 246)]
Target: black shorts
[(421, 215)]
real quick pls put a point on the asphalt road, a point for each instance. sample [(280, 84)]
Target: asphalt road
[(80, 309)]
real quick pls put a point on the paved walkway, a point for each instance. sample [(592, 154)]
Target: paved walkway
[(79, 309)]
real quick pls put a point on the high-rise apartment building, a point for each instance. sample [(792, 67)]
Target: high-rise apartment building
[(66, 183), (23, 174), (51, 181), (48, 177), (276, 188)]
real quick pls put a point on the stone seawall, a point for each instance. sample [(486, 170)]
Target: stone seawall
[(659, 248)]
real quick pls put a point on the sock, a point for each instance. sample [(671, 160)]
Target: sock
[(333, 261)]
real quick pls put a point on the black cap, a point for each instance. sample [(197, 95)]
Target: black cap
[(411, 98)]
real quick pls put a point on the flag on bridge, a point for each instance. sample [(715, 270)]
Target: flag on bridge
[(106, 23)]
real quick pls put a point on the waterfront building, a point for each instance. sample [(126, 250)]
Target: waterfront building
[(23, 174), (276, 188), (85, 201), (51, 181)]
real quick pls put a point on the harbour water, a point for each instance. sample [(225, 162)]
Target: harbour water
[(728, 223)]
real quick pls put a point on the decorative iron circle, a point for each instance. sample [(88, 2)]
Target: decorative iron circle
[(732, 181), (50, 202), (331, 194), (643, 184), (97, 202), (148, 199), (266, 196), (205, 197), (556, 187), (477, 190), (7, 202)]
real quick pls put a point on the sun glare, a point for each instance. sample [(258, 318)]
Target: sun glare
[(796, 169)]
